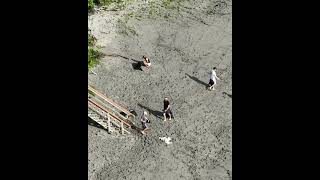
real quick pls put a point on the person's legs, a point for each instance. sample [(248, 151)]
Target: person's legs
[(211, 84), (164, 116), (214, 83), (169, 114), (144, 125)]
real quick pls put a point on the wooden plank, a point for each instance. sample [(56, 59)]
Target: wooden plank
[(122, 129), (108, 107), (103, 115), (108, 121), (109, 125), (107, 111), (100, 121), (113, 122), (110, 101)]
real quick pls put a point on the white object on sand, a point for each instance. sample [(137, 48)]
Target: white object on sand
[(167, 140), (93, 72)]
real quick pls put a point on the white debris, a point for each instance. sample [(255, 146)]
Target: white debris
[(93, 72), (167, 140)]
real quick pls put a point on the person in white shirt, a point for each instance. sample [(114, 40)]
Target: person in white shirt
[(213, 79), (144, 121)]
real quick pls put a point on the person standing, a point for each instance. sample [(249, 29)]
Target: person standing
[(167, 109), (144, 121), (213, 79)]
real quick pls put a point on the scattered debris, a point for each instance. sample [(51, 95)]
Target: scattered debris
[(167, 140), (93, 72)]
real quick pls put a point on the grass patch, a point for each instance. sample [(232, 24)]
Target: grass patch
[(119, 4), (90, 5), (94, 54), (91, 40), (93, 57)]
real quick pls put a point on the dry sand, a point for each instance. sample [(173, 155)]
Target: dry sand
[(182, 45)]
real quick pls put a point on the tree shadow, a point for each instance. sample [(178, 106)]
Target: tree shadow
[(157, 114), (197, 80)]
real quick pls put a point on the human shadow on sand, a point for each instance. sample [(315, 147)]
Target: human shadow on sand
[(136, 65), (197, 80), (124, 57), (230, 95), (157, 114)]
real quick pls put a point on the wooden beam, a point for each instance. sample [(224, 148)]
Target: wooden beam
[(107, 111), (110, 101), (109, 125), (122, 129)]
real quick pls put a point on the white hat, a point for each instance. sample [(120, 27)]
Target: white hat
[(145, 113)]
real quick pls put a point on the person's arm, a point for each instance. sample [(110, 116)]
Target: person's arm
[(215, 75)]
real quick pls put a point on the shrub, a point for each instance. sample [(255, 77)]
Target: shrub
[(91, 40), (93, 57), (90, 5)]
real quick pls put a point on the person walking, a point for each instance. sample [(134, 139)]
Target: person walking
[(167, 111), (213, 79), (144, 120)]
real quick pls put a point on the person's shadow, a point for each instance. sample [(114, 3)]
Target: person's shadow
[(136, 65), (197, 80), (230, 95), (157, 114)]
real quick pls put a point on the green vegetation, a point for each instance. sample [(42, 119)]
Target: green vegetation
[(93, 57), (93, 53), (91, 40), (90, 5), (120, 4)]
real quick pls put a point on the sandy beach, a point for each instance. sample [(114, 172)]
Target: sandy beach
[(183, 41)]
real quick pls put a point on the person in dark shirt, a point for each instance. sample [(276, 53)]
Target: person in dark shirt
[(167, 111)]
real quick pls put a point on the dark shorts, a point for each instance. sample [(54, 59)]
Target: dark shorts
[(211, 82)]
